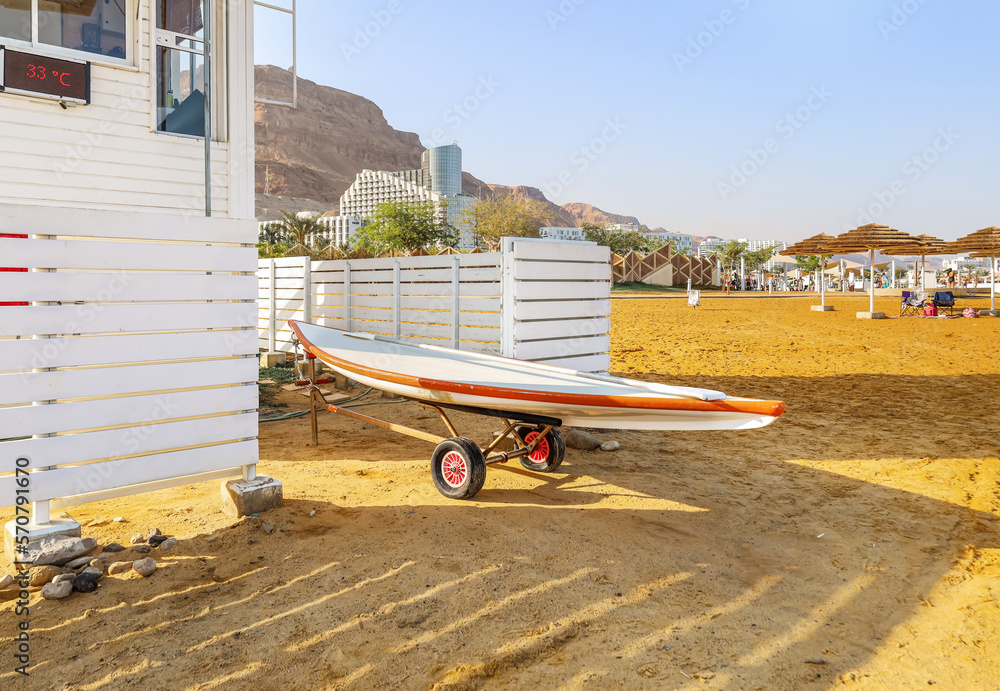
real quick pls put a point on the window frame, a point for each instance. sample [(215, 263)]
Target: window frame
[(54, 51), (218, 82)]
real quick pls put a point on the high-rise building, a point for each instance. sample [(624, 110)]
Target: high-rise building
[(438, 180)]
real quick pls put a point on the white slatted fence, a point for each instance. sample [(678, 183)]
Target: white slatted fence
[(133, 367), (538, 300)]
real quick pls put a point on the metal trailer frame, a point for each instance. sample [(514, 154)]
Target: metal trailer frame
[(458, 465)]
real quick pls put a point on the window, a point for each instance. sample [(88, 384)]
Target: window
[(94, 27), (180, 66)]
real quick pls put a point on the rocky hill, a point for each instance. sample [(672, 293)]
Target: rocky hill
[(587, 213), (313, 153)]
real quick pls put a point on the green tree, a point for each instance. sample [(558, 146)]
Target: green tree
[(620, 242), (404, 226), (729, 255), (505, 216), (758, 258)]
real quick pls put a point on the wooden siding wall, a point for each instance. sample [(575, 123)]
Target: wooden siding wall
[(541, 301), (134, 365), (106, 155)]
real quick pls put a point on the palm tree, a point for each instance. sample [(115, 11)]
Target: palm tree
[(300, 228)]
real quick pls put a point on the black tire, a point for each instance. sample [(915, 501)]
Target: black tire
[(458, 468), (549, 454)]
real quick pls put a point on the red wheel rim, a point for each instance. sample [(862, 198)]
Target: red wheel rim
[(454, 469), (541, 453)]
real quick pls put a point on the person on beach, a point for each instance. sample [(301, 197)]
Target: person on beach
[(951, 278)]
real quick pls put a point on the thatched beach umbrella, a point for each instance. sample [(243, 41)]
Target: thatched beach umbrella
[(872, 237), (814, 247), (983, 243), (928, 245)]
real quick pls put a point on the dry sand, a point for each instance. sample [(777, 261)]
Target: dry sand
[(855, 542)]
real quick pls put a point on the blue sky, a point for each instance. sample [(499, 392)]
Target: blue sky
[(740, 118)]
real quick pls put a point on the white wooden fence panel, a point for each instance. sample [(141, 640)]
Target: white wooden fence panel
[(569, 290), (69, 449), (161, 323), (128, 348), (564, 251), (85, 383), (112, 318), (556, 303), (561, 271), (581, 363), (566, 309), (562, 329), (135, 256), (93, 477), (557, 293), (123, 286), (544, 350), (117, 412)]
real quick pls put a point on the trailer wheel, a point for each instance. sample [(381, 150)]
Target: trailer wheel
[(458, 468), (549, 453)]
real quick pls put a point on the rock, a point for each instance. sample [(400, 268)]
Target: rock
[(144, 567), (168, 544), (40, 575), (118, 519), (142, 549), (64, 577), (114, 547), (137, 539), (58, 549), (152, 533), (610, 446), (6, 581), (78, 562), (578, 439), (93, 570), (119, 567), (268, 528), (57, 591), (156, 540), (86, 582)]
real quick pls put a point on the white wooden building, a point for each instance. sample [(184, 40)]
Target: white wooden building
[(127, 361)]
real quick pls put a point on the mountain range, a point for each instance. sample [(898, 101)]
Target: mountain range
[(307, 157)]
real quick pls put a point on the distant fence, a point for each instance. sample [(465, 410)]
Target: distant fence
[(127, 361), (665, 267), (535, 300)]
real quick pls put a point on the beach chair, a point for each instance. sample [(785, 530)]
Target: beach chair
[(911, 304), (944, 300)]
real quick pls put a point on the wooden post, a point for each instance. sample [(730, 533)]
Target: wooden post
[(396, 300), (347, 296), (272, 309), (456, 285), (306, 289)]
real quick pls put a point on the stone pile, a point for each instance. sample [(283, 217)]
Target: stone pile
[(61, 565)]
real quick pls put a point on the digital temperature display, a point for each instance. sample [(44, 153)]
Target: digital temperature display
[(24, 73)]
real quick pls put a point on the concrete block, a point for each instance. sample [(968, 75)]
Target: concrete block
[(871, 315), (989, 313), (247, 497), (822, 308), (58, 525), (272, 359)]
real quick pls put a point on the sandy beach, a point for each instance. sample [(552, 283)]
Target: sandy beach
[(855, 542)]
